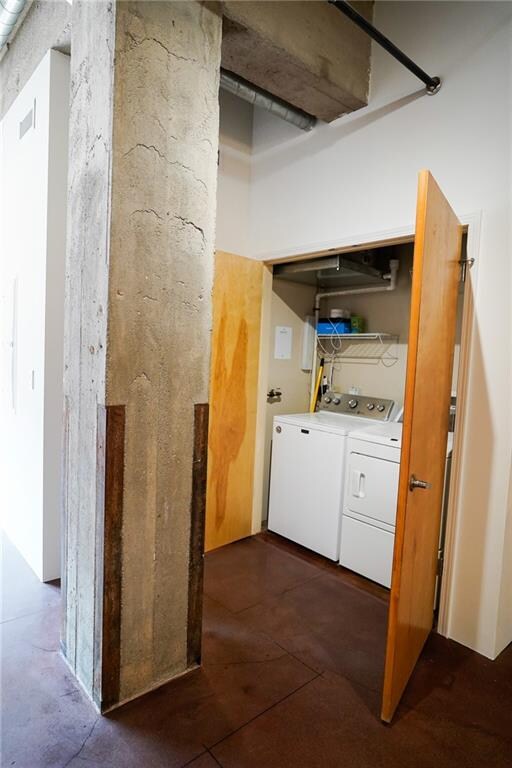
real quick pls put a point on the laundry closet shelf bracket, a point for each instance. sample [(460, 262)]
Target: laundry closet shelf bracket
[(358, 346)]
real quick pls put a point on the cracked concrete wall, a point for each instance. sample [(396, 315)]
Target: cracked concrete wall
[(46, 25), (161, 271), (88, 226), (143, 173)]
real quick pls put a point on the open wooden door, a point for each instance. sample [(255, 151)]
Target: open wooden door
[(435, 281), (237, 313)]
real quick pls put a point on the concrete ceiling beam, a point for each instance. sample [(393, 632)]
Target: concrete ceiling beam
[(306, 53)]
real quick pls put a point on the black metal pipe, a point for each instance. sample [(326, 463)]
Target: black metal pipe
[(433, 83)]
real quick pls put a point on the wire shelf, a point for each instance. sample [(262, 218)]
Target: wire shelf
[(359, 336), (359, 346)]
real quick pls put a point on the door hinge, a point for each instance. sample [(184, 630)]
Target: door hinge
[(464, 264), (440, 565)]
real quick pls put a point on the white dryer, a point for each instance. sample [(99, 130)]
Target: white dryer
[(307, 469), (367, 534)]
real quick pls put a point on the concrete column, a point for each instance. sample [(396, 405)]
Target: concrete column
[(144, 136)]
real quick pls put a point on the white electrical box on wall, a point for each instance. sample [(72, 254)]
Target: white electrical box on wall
[(308, 343), (283, 342)]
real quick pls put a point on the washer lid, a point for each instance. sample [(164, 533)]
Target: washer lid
[(323, 421)]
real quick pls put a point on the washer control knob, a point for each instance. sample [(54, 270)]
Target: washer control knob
[(370, 406), (381, 408), (352, 403), (327, 399), (336, 401)]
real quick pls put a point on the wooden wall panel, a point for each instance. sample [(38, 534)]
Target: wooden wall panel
[(197, 522), (113, 555), (237, 302)]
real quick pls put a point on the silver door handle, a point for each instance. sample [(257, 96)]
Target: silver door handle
[(415, 483)]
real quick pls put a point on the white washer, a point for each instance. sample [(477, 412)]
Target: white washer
[(367, 534), (307, 469)]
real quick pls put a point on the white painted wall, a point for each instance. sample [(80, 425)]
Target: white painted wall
[(358, 176), (32, 235), (234, 177)]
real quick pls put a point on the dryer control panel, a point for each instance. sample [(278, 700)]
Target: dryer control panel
[(376, 408)]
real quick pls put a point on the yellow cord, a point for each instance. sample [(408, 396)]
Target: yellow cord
[(314, 397)]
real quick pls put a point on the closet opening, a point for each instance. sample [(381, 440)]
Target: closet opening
[(334, 406), (334, 414)]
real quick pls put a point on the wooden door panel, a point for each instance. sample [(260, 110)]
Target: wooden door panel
[(237, 303), (426, 408)]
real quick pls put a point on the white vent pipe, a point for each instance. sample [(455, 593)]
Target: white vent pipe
[(391, 279)]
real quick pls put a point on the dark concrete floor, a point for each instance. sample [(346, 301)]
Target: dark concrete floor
[(292, 653)]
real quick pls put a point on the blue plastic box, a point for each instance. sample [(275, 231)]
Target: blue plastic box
[(333, 326)]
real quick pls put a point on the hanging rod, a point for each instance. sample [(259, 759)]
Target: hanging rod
[(433, 83)]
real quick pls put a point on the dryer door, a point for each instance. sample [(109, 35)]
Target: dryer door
[(372, 488)]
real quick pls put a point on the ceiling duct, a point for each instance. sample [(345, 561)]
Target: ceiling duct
[(10, 11), (260, 98)]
